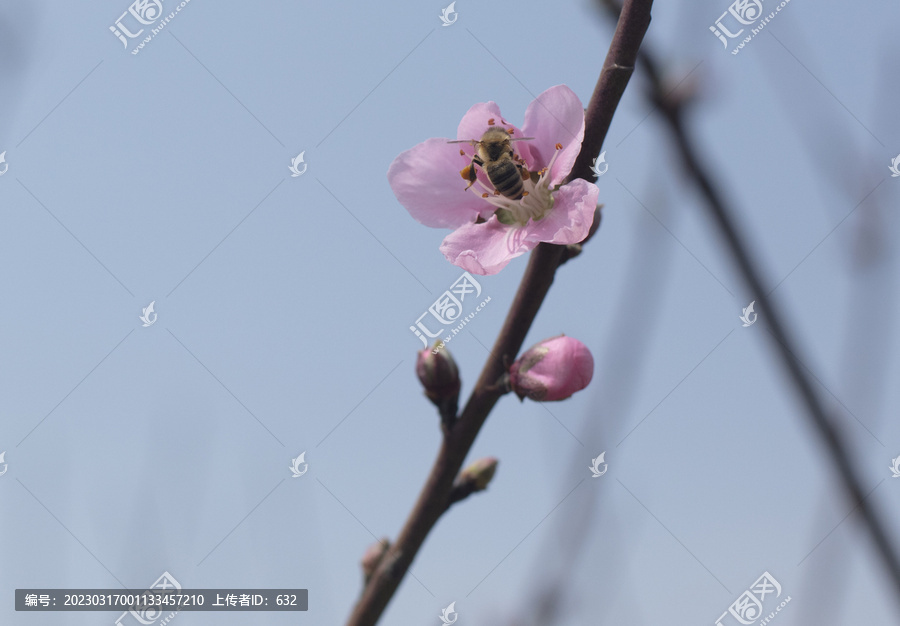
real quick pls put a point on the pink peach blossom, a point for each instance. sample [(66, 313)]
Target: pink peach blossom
[(489, 229)]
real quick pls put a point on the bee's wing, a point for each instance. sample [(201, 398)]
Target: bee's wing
[(520, 138)]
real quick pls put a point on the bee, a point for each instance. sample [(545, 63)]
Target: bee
[(494, 154)]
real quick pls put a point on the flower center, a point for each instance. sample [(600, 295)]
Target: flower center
[(536, 202)]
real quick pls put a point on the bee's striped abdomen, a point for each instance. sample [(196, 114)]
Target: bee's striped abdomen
[(505, 177)]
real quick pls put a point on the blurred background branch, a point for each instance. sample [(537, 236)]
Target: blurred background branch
[(831, 437), (552, 596)]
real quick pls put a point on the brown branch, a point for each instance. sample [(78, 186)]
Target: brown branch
[(721, 214), (617, 70), (545, 259)]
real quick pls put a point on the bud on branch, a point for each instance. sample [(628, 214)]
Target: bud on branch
[(476, 477), (439, 376), (552, 370)]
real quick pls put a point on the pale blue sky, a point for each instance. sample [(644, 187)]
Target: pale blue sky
[(284, 307)]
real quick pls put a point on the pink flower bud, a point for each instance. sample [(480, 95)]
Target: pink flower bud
[(479, 473), (553, 369), (439, 376)]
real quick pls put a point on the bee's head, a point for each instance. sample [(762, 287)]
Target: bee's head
[(495, 142)]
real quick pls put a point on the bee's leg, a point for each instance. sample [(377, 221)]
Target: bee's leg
[(469, 173), (520, 163), (524, 173)]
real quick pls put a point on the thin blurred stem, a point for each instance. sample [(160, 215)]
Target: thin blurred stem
[(545, 259), (639, 307), (721, 214)]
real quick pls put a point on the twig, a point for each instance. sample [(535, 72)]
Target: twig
[(435, 496), (673, 111)]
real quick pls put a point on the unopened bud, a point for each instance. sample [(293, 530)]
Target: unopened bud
[(551, 370), (479, 473), (372, 557), (439, 376)]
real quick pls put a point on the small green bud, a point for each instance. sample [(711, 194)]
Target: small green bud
[(479, 473)]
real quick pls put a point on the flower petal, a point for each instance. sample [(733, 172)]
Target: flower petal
[(426, 181), (475, 121), (486, 248), (555, 116), (571, 217)]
